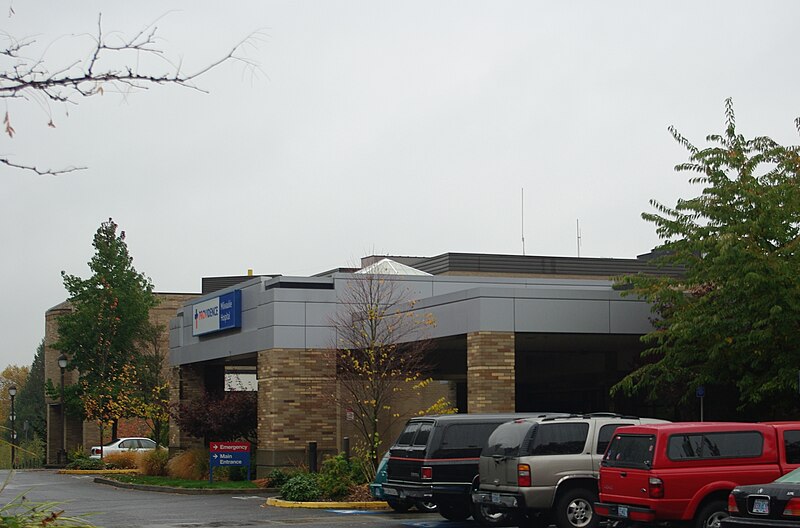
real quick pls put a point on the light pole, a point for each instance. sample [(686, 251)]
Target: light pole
[(62, 364), (12, 391)]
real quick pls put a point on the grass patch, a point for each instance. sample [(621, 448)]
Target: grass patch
[(183, 483)]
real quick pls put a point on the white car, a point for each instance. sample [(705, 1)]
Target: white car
[(121, 445)]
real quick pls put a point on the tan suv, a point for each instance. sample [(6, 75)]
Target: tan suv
[(543, 470)]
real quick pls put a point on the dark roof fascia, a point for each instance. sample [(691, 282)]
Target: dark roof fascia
[(534, 264)]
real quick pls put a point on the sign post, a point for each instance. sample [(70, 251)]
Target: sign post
[(228, 454), (700, 392)]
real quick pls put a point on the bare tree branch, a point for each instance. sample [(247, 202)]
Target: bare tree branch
[(40, 172), (112, 64)]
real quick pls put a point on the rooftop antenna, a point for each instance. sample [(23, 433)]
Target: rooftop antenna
[(578, 226), (523, 221)]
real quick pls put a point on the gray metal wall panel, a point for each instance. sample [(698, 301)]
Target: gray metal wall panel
[(496, 314), (319, 314), (320, 337), (289, 336), (555, 315), (290, 314), (630, 317), (452, 318)]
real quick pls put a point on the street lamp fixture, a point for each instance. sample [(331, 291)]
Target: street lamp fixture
[(62, 364), (12, 391)]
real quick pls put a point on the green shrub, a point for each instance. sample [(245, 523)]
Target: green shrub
[(190, 465), (236, 473), (154, 463), (336, 478), (86, 464), (76, 454), (278, 477), (301, 487)]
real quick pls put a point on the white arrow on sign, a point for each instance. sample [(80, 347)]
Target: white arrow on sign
[(215, 455)]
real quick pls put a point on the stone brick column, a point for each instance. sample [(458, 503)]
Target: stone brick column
[(295, 406), (187, 384), (490, 372)]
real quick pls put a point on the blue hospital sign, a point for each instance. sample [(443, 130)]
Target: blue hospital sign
[(217, 314)]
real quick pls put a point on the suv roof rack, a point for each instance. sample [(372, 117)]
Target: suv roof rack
[(590, 415)]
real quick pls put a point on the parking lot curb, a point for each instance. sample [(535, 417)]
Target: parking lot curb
[(367, 505), (98, 471), (260, 492)]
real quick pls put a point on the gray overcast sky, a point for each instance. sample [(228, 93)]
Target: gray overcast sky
[(377, 127)]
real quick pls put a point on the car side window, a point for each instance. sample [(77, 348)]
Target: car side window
[(559, 439), (605, 435), (126, 444), (147, 444), (791, 441), (734, 444)]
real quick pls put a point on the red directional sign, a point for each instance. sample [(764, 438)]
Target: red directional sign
[(229, 447)]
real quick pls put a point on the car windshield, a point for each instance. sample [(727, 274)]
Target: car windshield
[(111, 443), (792, 477)]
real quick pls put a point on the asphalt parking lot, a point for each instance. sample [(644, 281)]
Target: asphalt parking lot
[(121, 508)]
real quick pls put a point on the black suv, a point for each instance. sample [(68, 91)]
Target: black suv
[(435, 459)]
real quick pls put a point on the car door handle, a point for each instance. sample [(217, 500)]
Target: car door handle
[(623, 474)]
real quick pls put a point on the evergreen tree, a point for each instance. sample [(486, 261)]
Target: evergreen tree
[(30, 403)]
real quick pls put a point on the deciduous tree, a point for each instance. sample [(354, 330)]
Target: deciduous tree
[(380, 355), (732, 319), (232, 415), (109, 317)]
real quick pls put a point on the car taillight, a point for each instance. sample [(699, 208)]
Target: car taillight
[(732, 507), (655, 488), (792, 507), (427, 472), (523, 475)]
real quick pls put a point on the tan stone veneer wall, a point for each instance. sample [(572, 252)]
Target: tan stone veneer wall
[(295, 405), (85, 434), (490, 372), (186, 384)]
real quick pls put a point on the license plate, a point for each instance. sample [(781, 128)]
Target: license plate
[(622, 511), (389, 491), (761, 506), (495, 498)]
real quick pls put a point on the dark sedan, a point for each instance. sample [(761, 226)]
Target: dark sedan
[(772, 505)]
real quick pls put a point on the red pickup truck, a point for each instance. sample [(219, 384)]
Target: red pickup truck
[(685, 471)]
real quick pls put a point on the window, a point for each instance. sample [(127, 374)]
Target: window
[(461, 436), (634, 451), (423, 434), (791, 440), (559, 439), (126, 444), (605, 435), (408, 434), (735, 444), (147, 444), (507, 439)]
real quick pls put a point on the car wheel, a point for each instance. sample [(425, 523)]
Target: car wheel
[(399, 506), (427, 507), (711, 514), (575, 509), (486, 515), (455, 512)]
